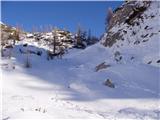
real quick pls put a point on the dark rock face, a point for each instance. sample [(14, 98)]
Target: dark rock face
[(109, 83), (125, 14), (101, 66), (111, 38)]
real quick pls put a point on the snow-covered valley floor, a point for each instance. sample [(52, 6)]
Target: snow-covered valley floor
[(71, 88)]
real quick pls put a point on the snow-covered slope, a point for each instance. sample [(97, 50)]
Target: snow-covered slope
[(72, 88), (141, 38)]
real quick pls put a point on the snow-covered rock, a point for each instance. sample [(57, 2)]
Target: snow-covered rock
[(140, 37), (29, 35)]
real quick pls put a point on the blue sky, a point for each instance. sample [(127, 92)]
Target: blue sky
[(90, 15)]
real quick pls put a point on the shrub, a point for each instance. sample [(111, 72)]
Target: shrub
[(109, 83), (117, 56), (27, 63)]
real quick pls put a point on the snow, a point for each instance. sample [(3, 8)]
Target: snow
[(71, 88), (147, 51), (29, 35), (1, 23)]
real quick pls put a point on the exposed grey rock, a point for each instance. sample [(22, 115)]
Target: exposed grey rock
[(125, 14)]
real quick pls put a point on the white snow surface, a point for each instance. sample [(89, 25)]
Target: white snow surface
[(71, 88)]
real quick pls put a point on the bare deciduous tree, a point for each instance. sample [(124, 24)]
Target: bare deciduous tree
[(108, 18)]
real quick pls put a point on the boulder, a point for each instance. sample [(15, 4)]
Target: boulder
[(101, 66), (109, 83)]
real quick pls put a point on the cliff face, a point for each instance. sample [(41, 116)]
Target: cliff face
[(130, 15), (128, 12), (134, 30)]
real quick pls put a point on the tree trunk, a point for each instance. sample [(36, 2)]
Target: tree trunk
[(54, 44)]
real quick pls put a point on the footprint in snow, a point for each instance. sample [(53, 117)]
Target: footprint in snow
[(43, 110)]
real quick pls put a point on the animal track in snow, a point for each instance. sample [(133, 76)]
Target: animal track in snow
[(72, 106)]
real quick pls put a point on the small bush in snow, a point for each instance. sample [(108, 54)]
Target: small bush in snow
[(149, 62), (117, 56), (25, 45), (158, 61), (109, 83), (27, 63), (132, 58), (136, 42), (39, 53)]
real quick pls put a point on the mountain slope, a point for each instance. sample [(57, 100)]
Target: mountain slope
[(60, 88), (140, 37), (72, 87)]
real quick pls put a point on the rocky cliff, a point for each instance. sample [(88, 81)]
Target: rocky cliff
[(132, 15), (134, 30)]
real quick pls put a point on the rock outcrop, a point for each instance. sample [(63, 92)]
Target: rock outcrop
[(130, 14), (134, 31)]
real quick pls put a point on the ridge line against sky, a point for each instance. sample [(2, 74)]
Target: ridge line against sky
[(62, 14)]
